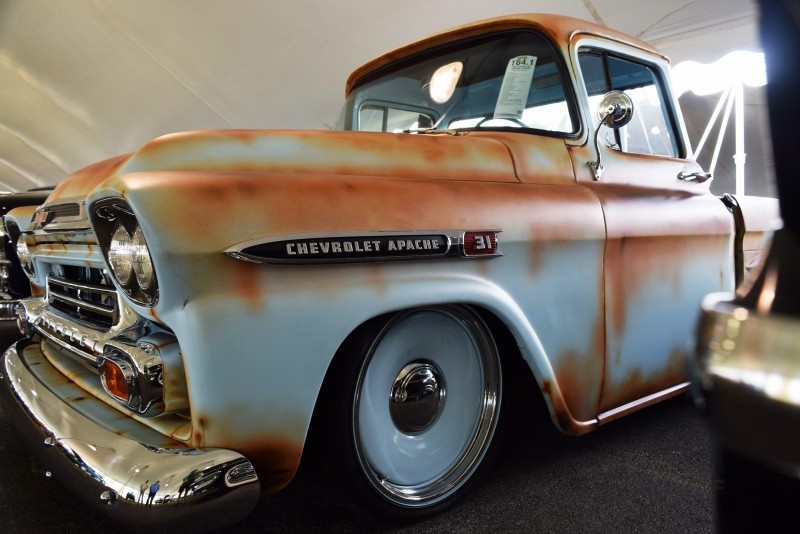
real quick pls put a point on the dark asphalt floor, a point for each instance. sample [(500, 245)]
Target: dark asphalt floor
[(650, 472)]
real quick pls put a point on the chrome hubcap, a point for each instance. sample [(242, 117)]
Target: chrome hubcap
[(417, 397), (418, 439)]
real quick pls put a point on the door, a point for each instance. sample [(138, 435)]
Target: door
[(669, 241)]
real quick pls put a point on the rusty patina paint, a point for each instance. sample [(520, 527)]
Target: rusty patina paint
[(637, 381), (86, 179), (580, 376), (337, 153), (275, 459), (23, 213), (65, 372), (663, 245), (537, 159), (560, 412), (275, 205)]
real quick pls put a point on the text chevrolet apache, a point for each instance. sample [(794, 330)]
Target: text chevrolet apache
[(511, 199)]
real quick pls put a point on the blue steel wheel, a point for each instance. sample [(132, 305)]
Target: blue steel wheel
[(425, 408)]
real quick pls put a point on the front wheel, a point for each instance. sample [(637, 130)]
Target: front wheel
[(422, 411)]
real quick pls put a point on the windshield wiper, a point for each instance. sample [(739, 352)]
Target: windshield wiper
[(433, 132)]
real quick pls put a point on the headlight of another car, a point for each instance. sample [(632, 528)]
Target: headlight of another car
[(24, 256), (125, 249)]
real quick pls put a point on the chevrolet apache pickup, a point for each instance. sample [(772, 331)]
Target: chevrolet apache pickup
[(510, 194)]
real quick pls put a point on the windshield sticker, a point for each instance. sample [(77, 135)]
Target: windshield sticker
[(515, 88)]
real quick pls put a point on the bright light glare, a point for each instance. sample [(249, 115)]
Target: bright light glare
[(739, 66), (444, 80)]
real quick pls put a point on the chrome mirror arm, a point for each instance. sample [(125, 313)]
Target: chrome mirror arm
[(615, 111), (597, 166)]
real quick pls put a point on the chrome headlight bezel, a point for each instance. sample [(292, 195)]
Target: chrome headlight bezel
[(143, 268), (125, 250), (120, 255)]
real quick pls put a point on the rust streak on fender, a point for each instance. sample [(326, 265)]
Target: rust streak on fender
[(155, 315), (86, 179), (631, 387), (561, 415), (339, 152), (275, 459), (580, 375), (250, 284)]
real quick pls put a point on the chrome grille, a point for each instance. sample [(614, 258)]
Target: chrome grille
[(84, 294)]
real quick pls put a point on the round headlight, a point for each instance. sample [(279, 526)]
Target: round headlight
[(24, 255), (120, 255), (142, 264)]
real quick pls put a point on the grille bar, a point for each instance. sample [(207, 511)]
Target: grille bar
[(81, 286), (97, 308), (89, 303)]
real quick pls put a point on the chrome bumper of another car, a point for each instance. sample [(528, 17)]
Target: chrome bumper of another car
[(748, 377), (198, 489), (7, 308)]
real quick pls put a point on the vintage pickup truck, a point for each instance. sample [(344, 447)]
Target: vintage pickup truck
[(511, 194)]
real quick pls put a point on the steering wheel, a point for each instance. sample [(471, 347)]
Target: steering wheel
[(490, 118)]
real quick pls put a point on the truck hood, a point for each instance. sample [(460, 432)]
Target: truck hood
[(400, 156)]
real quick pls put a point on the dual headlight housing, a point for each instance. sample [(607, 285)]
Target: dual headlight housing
[(125, 249)]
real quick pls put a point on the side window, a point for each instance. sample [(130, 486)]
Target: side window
[(373, 118), (651, 131)]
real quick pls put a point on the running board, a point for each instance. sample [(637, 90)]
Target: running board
[(625, 409)]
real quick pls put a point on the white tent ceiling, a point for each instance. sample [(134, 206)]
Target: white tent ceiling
[(82, 80)]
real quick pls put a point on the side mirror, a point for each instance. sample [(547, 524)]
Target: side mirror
[(615, 111)]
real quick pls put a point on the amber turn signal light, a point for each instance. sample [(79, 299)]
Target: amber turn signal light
[(114, 380)]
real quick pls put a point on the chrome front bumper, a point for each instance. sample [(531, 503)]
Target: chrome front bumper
[(106, 459)]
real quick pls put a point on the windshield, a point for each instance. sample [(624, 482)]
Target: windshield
[(508, 80)]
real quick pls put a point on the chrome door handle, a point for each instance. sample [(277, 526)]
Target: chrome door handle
[(698, 176)]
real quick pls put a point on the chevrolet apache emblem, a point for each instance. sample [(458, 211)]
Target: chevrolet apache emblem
[(368, 246)]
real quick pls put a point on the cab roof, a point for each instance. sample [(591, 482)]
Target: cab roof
[(558, 28)]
